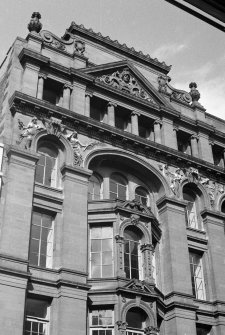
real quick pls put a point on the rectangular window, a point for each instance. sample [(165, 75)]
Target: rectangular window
[(197, 278), (101, 256), (101, 322), (132, 259), (41, 240), (37, 317)]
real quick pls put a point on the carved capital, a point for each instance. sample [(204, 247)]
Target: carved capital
[(119, 239), (112, 104), (194, 136), (88, 94), (42, 75), (147, 246), (69, 86), (133, 113), (158, 121)]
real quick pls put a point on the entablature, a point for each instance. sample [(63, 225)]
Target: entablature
[(28, 105)]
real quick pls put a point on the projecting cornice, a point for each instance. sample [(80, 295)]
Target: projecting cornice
[(80, 30), (28, 105)]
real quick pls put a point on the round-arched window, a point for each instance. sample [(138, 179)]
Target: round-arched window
[(136, 319), (132, 253), (141, 195), (46, 170), (117, 187)]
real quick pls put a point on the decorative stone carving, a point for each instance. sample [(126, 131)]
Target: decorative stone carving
[(35, 26), (120, 241), (125, 82), (165, 87), (122, 325), (54, 126), (151, 330), (195, 95), (28, 132), (53, 40), (139, 285), (79, 148), (79, 46), (134, 219), (174, 177)]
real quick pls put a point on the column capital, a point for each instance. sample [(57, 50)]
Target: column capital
[(66, 85), (134, 112), (119, 239), (195, 136), (112, 104), (88, 94), (42, 75), (211, 142), (158, 121), (147, 246)]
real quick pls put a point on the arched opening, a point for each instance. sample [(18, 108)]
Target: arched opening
[(136, 319), (142, 195), (132, 252), (117, 187), (223, 207), (193, 197), (95, 187)]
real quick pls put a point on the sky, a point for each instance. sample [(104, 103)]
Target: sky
[(195, 49)]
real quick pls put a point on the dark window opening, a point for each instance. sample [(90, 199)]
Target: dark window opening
[(136, 318), (122, 118), (218, 155), (145, 128), (183, 142), (98, 109), (53, 91)]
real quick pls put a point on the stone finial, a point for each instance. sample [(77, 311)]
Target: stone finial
[(35, 26), (195, 95)]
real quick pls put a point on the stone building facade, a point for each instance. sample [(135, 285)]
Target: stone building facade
[(112, 193)]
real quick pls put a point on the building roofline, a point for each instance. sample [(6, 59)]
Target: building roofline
[(122, 48)]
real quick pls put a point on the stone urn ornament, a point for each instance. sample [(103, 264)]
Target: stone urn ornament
[(35, 26)]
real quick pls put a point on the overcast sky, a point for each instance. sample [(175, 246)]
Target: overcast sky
[(195, 49)]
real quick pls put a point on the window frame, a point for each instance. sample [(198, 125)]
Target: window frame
[(101, 252), (49, 259), (102, 327), (45, 166), (118, 184), (139, 197), (100, 188), (38, 320), (200, 279)]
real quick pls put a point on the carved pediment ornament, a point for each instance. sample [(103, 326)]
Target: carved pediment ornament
[(165, 87), (79, 46), (125, 82), (139, 285), (53, 40)]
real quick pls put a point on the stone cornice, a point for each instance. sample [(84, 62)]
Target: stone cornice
[(80, 30), (26, 104)]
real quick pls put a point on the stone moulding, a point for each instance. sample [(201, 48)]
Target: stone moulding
[(25, 104), (74, 28), (55, 41), (175, 94)]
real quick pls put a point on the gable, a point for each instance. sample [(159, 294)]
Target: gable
[(124, 77)]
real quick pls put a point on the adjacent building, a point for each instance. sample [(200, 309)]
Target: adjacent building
[(112, 193)]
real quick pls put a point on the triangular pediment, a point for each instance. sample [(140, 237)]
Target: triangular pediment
[(124, 77), (139, 286)]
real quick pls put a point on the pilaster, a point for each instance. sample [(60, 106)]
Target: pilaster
[(78, 98), (169, 136), (74, 226), (30, 79)]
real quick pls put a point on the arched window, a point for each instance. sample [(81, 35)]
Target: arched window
[(141, 195), (223, 207), (193, 208), (136, 320), (46, 170), (94, 188), (117, 187), (132, 253)]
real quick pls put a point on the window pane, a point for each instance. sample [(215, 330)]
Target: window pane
[(94, 332), (126, 260), (96, 271), (107, 258), (36, 218), (134, 273), (96, 245), (96, 258), (94, 320), (122, 192), (106, 232), (107, 244), (127, 246), (43, 261), (34, 246), (39, 174), (107, 271), (96, 232), (134, 262), (113, 186), (35, 232), (33, 259)]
